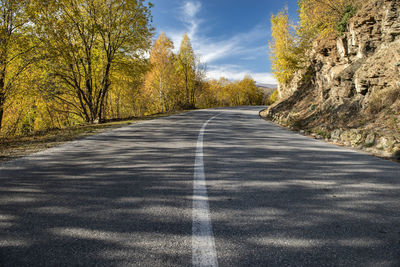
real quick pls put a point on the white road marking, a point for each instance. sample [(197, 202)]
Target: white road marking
[(203, 245)]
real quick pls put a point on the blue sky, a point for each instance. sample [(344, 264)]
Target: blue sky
[(231, 36)]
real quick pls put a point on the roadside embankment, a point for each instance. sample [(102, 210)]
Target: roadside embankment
[(349, 93)]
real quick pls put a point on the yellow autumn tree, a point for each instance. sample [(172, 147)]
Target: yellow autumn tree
[(324, 17), (208, 95), (186, 61), (283, 51), (223, 92), (83, 42), (250, 93), (125, 99), (158, 80), (17, 47), (65, 62), (291, 42)]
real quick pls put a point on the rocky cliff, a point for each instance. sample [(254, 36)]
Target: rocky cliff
[(350, 90)]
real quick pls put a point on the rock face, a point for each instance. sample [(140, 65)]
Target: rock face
[(352, 81)]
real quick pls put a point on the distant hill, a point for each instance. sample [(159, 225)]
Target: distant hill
[(268, 89), (265, 85)]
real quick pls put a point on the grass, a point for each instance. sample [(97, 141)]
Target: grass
[(20, 146)]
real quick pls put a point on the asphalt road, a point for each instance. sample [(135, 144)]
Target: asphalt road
[(126, 198)]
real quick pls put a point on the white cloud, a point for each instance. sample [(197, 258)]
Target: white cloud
[(235, 72), (188, 16), (212, 50), (191, 9), (265, 78), (189, 12), (241, 45)]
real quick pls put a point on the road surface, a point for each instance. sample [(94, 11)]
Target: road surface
[(209, 187)]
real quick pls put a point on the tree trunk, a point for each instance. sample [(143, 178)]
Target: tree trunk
[(105, 86), (2, 96), (117, 105), (91, 105), (192, 97), (100, 105), (187, 90), (1, 110), (161, 97)]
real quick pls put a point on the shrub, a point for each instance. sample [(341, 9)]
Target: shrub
[(383, 99), (349, 12), (273, 97)]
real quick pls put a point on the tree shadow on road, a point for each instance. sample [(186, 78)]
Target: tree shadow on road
[(294, 201), (119, 198), (125, 198)]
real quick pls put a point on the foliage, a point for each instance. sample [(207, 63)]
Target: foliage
[(158, 80), (84, 39), (65, 63), (217, 93), (186, 63), (17, 47), (322, 17), (284, 53), (349, 12), (174, 80), (291, 43), (273, 97)]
